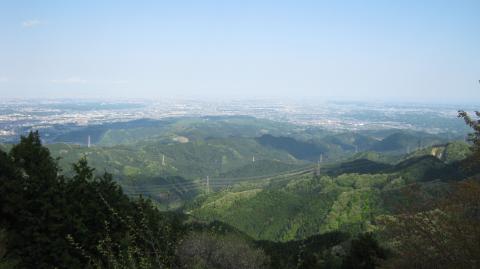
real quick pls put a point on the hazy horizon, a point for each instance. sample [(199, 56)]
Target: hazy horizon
[(414, 52)]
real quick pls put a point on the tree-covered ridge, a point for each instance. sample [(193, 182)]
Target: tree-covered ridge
[(301, 206), (192, 159), (166, 130), (422, 207), (213, 140), (348, 196), (169, 160), (85, 221)]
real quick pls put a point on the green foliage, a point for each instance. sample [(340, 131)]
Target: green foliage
[(141, 169), (361, 166), (365, 253), (436, 231), (261, 168), (191, 160), (402, 142), (424, 168), (84, 219), (168, 160), (299, 149), (456, 151), (34, 159), (5, 263), (33, 205), (52, 221), (166, 130), (449, 153), (211, 251), (318, 251), (474, 138), (299, 206), (296, 206)]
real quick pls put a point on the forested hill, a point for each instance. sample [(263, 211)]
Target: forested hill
[(369, 209), (85, 221)]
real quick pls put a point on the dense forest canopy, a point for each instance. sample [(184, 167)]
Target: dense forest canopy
[(419, 212)]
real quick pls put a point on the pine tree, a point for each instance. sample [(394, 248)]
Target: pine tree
[(473, 162), (36, 207)]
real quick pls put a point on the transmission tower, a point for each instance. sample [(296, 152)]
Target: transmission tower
[(317, 172), (320, 160), (207, 185)]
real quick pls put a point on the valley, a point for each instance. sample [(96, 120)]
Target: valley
[(239, 134), (272, 183)]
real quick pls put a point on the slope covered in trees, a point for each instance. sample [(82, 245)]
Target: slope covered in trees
[(412, 211), (85, 221)]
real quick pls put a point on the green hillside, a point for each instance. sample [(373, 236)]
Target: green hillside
[(405, 142), (300, 206), (190, 159), (262, 174), (171, 158), (299, 149), (450, 152), (348, 197), (350, 141), (360, 165), (261, 168), (264, 196), (194, 128)]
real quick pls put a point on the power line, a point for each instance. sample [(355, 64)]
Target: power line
[(184, 187)]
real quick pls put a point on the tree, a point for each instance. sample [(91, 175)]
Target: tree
[(440, 232), (48, 221), (5, 263), (33, 209), (34, 159), (206, 250), (365, 253), (473, 162)]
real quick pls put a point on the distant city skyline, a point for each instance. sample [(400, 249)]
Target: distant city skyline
[(377, 51)]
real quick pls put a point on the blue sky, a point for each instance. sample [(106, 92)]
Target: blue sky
[(425, 51)]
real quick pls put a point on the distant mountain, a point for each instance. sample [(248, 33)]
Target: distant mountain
[(194, 128), (299, 149), (140, 128), (415, 168), (425, 168), (261, 168), (350, 141), (189, 159), (359, 166), (170, 159), (402, 142)]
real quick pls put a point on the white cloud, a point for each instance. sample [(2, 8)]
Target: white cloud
[(3, 79), (71, 80), (31, 23)]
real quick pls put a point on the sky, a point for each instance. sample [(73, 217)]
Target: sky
[(407, 51)]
